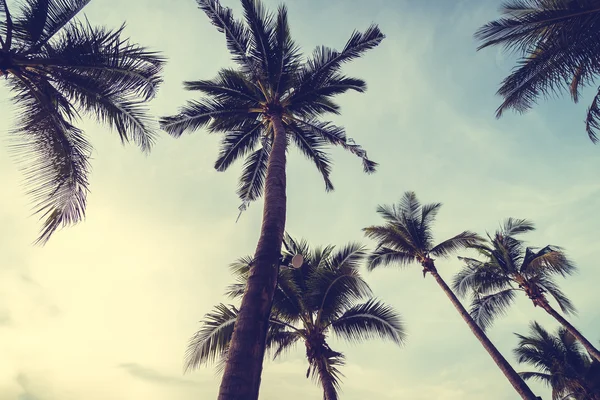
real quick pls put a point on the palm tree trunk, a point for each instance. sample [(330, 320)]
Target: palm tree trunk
[(573, 331), (513, 377), (329, 392), (241, 379)]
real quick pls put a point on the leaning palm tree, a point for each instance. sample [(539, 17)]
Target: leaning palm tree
[(559, 45), (560, 363), (312, 302), (58, 68), (509, 268), (273, 98), (407, 238)]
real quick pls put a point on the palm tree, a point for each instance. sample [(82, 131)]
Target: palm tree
[(558, 41), (58, 67), (319, 299), (273, 98), (560, 364), (406, 238), (510, 267)]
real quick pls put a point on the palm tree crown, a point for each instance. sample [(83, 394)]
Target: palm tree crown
[(272, 81), (57, 68), (407, 237), (560, 362), (560, 48), (510, 267), (310, 303)]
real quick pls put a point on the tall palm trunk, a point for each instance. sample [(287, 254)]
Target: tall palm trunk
[(329, 392), (594, 353), (513, 377), (241, 379)]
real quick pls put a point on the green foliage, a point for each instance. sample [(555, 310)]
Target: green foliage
[(58, 67)]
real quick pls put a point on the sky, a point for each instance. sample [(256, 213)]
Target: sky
[(104, 310)]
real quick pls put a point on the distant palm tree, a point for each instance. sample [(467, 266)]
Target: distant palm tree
[(58, 67), (559, 41), (510, 267), (560, 363), (310, 303), (273, 98), (407, 238)]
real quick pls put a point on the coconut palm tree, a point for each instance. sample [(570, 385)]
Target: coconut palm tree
[(407, 238), (321, 298), (559, 45), (273, 98), (57, 69), (560, 363), (508, 268)]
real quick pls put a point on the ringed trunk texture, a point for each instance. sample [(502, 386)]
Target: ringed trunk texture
[(329, 392), (241, 379), (594, 353), (513, 377)]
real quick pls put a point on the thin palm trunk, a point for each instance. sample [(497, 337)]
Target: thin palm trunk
[(241, 379), (329, 392), (594, 353), (513, 377)]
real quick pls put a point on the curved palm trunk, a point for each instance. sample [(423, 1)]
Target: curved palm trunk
[(513, 377), (241, 379), (329, 392), (573, 331)]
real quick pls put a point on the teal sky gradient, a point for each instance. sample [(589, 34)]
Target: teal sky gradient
[(104, 311)]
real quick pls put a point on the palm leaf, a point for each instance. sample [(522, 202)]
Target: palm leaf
[(592, 121), (462, 240), (479, 277), (254, 172), (212, 340), (372, 319), (313, 148), (237, 144), (485, 309)]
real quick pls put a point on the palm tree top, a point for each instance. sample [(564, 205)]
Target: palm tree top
[(558, 48), (59, 69), (407, 236), (508, 266), (272, 80), (326, 295)]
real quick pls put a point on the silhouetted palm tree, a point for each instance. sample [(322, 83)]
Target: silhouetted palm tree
[(319, 299), (273, 98), (407, 238), (559, 44), (510, 267), (560, 364), (57, 68)]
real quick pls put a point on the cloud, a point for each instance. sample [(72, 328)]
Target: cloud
[(151, 375)]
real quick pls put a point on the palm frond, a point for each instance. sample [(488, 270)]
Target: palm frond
[(384, 256), (313, 148), (337, 137), (286, 55), (240, 269), (53, 152), (230, 85), (236, 35), (515, 226), (40, 20), (348, 257), (372, 319), (261, 24), (549, 260), (485, 309), (479, 278), (212, 340), (393, 236), (254, 172), (547, 284), (237, 144), (592, 120), (461, 241), (279, 340), (544, 378)]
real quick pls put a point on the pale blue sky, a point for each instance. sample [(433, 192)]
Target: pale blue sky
[(104, 311)]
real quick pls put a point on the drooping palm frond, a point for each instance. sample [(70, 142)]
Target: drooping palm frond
[(549, 260), (592, 120), (384, 256), (60, 68), (479, 277), (557, 41), (548, 285), (486, 308), (516, 226), (213, 338), (461, 241), (372, 319)]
